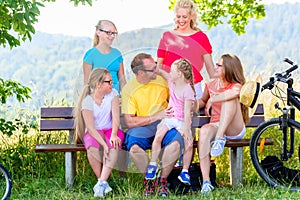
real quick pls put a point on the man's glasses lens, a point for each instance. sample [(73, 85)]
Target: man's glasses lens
[(150, 70), (109, 32)]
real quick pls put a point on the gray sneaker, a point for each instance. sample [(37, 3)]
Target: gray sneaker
[(100, 189), (206, 188)]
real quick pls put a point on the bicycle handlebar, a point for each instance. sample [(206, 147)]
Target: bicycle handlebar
[(280, 76)]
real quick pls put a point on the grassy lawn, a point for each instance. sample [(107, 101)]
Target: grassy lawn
[(132, 188), (41, 176)]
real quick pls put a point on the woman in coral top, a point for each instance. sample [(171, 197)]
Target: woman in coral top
[(227, 115), (186, 41)]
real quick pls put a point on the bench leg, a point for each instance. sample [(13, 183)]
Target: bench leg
[(236, 165), (70, 168)]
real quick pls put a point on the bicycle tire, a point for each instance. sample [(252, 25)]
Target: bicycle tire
[(5, 183), (267, 161)]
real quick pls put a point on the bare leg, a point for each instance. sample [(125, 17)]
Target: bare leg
[(156, 145), (95, 160), (140, 158), (169, 157), (187, 155), (231, 120), (109, 164), (206, 135)]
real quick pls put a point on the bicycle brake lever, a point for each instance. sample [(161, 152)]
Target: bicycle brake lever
[(288, 61)]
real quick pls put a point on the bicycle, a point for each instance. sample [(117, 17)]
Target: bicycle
[(279, 164), (5, 183)]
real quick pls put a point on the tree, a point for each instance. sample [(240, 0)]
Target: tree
[(18, 18), (234, 12), (7, 89)]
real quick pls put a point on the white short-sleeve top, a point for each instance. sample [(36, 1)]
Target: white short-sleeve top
[(102, 113)]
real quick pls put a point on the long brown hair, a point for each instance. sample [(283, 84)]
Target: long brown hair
[(96, 76), (234, 73)]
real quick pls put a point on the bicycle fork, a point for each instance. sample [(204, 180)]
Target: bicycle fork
[(285, 153)]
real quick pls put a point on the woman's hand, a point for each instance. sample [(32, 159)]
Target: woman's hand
[(115, 141), (208, 107)]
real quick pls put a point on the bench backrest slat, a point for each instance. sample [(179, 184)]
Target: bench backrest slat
[(62, 118), (57, 112), (60, 124)]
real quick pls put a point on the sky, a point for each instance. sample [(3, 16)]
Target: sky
[(62, 17)]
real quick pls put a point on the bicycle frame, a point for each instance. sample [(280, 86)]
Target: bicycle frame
[(292, 100)]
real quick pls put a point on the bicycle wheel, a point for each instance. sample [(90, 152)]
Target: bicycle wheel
[(267, 158), (5, 183)]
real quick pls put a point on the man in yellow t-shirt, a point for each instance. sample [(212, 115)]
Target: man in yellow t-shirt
[(144, 104)]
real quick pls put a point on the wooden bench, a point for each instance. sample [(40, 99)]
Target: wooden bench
[(61, 118)]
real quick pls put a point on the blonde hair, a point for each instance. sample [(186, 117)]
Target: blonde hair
[(234, 73), (185, 67), (96, 76), (99, 26), (192, 10)]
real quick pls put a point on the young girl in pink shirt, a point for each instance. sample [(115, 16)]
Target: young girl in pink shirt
[(181, 102)]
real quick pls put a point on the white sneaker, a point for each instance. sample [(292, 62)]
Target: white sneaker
[(206, 188), (100, 189)]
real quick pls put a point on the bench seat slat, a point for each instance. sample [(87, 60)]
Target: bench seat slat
[(59, 147), (239, 143)]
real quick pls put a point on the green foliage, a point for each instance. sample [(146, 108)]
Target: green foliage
[(9, 88), (18, 18), (234, 12)]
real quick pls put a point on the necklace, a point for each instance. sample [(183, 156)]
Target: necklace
[(98, 100)]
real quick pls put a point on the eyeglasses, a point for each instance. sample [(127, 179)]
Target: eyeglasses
[(150, 70), (109, 32), (218, 65), (110, 82)]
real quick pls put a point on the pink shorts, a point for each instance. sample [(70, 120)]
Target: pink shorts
[(89, 140)]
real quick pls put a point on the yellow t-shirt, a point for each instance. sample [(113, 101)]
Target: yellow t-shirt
[(145, 99)]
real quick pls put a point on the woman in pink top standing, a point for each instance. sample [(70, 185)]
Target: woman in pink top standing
[(227, 115), (189, 42)]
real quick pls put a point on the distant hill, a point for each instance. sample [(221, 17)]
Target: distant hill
[(51, 64)]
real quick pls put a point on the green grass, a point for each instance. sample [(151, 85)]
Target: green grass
[(53, 188), (41, 176)]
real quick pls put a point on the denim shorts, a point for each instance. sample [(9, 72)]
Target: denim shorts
[(143, 136)]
